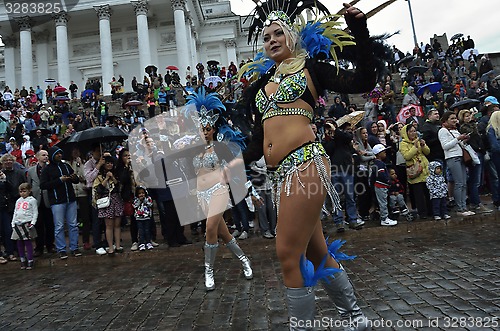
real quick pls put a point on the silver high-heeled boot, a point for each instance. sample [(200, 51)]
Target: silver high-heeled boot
[(236, 250), (210, 253), (340, 290), (301, 308)]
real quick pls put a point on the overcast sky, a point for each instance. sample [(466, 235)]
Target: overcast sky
[(478, 18)]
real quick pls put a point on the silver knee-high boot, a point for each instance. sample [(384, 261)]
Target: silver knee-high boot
[(210, 253), (245, 262), (340, 290), (301, 308)]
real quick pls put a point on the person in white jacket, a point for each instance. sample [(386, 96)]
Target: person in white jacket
[(23, 225)]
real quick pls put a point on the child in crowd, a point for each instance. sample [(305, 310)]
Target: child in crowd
[(438, 190), (396, 194), (23, 225), (143, 211), (380, 180)]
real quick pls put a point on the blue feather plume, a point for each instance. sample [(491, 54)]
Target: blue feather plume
[(310, 276), (211, 101), (333, 250), (233, 136), (313, 40), (260, 65)]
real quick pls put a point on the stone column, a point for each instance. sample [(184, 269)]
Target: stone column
[(141, 12), (26, 51), (61, 21), (153, 42), (194, 49), (231, 51), (42, 57), (10, 43), (104, 13), (189, 23), (181, 38)]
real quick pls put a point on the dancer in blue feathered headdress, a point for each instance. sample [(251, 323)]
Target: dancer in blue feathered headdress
[(222, 144), (206, 109)]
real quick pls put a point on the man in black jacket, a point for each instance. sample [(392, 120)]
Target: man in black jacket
[(339, 149), (429, 130), (57, 178)]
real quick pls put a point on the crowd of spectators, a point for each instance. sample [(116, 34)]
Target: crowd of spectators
[(383, 164)]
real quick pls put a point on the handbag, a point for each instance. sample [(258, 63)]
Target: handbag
[(469, 156), (414, 170), (103, 202), (128, 208), (466, 156)]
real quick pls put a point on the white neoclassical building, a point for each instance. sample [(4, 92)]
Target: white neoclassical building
[(90, 39)]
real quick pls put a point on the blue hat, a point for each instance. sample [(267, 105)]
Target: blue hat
[(491, 99)]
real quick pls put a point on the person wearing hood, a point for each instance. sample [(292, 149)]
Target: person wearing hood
[(415, 150), (372, 129), (339, 149), (470, 127), (57, 178), (365, 157), (438, 191), (410, 97)]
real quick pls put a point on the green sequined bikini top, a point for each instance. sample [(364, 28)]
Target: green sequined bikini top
[(290, 89)]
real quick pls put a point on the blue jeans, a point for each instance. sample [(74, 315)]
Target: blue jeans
[(267, 213), (439, 207), (494, 184), (96, 225), (6, 228), (495, 158), (457, 168), (344, 184), (143, 226), (474, 180), (65, 211), (241, 216)]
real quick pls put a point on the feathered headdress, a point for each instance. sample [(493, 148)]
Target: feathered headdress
[(209, 107), (210, 111), (286, 11), (319, 38)]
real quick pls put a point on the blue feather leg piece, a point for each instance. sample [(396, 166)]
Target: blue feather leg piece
[(333, 249), (311, 276)]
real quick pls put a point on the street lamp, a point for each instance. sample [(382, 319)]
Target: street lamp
[(412, 24)]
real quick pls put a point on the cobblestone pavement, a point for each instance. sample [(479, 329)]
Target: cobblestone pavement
[(427, 275)]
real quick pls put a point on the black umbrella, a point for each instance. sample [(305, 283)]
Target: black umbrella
[(406, 59), (466, 102), (45, 132), (151, 69), (488, 75), (97, 135), (419, 69), (212, 62), (456, 36)]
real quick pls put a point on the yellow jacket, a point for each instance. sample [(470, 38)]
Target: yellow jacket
[(412, 154)]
